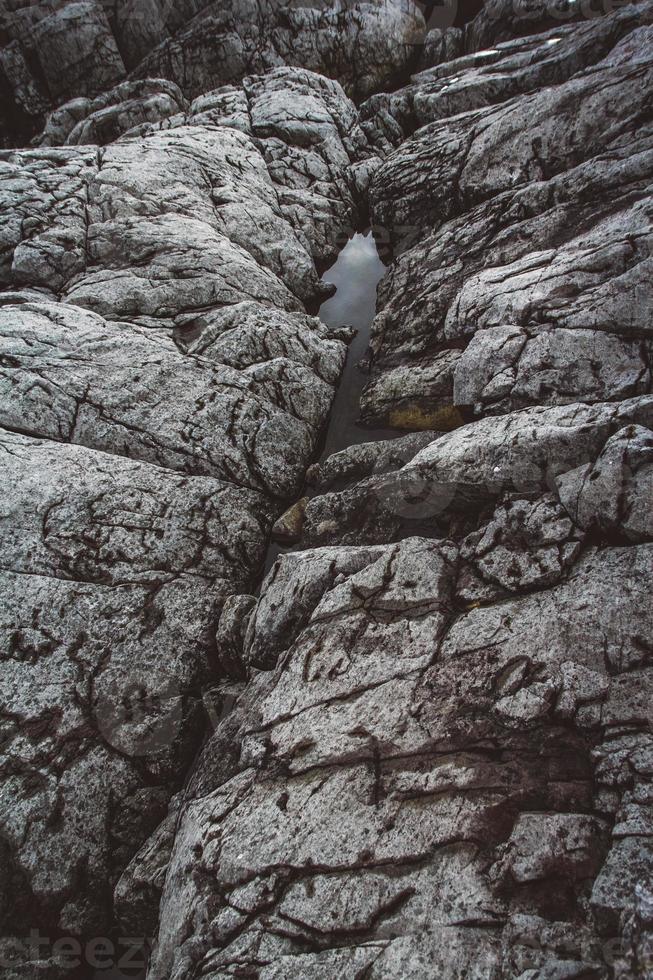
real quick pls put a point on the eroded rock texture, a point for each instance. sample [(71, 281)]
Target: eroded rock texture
[(62, 50), (162, 391), (429, 751), (438, 762)]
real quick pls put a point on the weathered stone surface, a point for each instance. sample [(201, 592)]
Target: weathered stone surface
[(597, 281), (506, 368), (137, 894), (424, 283), (446, 739), (76, 50), (455, 477), (380, 810), (477, 154), (160, 406), (441, 45), (231, 633), (247, 333), (613, 495), (638, 940), (477, 77), (420, 398), (113, 573), (87, 516), (429, 751), (542, 845), (103, 119), (356, 462), (525, 545), (165, 389), (195, 216), (540, 262), (363, 45), (101, 698), (501, 19), (524, 450), (58, 50)]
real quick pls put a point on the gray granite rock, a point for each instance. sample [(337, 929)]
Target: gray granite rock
[(400, 809), (101, 711), (440, 763), (103, 119), (613, 494), (76, 51), (428, 748), (138, 891), (248, 333), (524, 451), (525, 545), (288, 528), (362, 44), (497, 235), (356, 462), (606, 272), (502, 19), (58, 50), (421, 397), (113, 575), (163, 389), (637, 934), (458, 475), (197, 215), (506, 368), (464, 77), (66, 377), (78, 514)]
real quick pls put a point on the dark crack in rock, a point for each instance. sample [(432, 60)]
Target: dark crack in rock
[(421, 746)]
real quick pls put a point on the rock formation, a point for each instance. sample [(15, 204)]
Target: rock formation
[(421, 745), (62, 50)]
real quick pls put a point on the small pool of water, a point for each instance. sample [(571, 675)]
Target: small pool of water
[(356, 274)]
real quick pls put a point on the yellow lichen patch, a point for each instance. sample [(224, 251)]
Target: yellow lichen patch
[(416, 419)]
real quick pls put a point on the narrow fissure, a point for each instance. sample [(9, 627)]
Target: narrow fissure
[(355, 274)]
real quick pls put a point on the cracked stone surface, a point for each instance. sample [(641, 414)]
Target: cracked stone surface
[(370, 792), (438, 759), (163, 386), (66, 379), (196, 215), (420, 745), (58, 50), (105, 118), (614, 492)]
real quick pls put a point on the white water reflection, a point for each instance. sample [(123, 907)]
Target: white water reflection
[(356, 274)]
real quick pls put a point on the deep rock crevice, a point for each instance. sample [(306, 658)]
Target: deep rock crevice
[(427, 742)]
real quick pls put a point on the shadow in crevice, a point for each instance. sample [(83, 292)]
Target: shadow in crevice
[(355, 274)]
